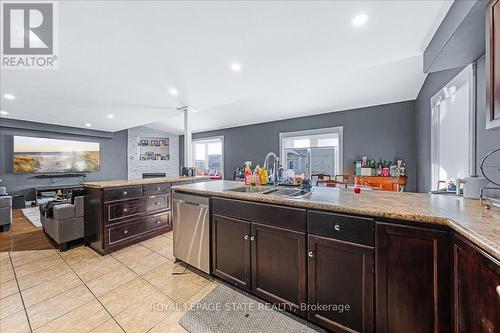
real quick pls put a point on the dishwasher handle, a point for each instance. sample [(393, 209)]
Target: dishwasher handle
[(187, 202)]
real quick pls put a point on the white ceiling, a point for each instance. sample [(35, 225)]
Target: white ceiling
[(298, 58)]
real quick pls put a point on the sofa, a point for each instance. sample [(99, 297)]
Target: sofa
[(66, 224), (5, 212)]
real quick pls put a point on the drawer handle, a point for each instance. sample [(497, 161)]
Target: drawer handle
[(125, 231), (125, 192), (158, 188), (157, 203), (125, 210), (158, 222), (336, 227), (498, 290), (310, 254), (252, 238), (245, 237)]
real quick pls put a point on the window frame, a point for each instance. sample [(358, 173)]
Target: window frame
[(207, 140), (469, 71), (339, 130)]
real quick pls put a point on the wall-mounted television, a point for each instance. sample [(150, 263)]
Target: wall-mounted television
[(43, 155)]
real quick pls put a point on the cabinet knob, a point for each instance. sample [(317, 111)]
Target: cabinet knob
[(125, 192), (252, 238), (158, 222), (336, 227), (125, 210), (310, 254), (125, 231), (245, 237), (157, 203), (158, 188), (498, 290)]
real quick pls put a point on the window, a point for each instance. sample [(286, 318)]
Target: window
[(452, 133), (208, 156), (312, 152)]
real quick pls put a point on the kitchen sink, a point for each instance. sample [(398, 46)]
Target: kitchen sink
[(253, 189), (293, 193), (281, 192)]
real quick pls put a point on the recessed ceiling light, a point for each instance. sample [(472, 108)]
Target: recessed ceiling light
[(235, 67), (360, 20), (3, 113), (88, 125), (9, 96), (111, 116), (173, 91)]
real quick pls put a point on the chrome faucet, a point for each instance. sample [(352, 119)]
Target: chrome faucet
[(275, 166)]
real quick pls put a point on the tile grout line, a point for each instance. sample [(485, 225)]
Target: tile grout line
[(39, 284), (142, 278), (71, 268), (20, 294), (97, 299)]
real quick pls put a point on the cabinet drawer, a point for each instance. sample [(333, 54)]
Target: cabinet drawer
[(125, 209), (349, 228), (140, 226), (155, 189), (122, 193), (157, 202), (285, 217)]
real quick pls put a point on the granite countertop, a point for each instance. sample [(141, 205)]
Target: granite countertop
[(123, 183), (466, 216)]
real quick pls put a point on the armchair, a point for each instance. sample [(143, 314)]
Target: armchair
[(66, 224), (5, 212)]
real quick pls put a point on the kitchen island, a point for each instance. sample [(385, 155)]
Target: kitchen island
[(120, 213), (404, 262)]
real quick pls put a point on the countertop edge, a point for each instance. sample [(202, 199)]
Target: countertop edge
[(484, 244), (136, 182)]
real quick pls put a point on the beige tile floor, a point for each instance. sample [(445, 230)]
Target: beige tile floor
[(132, 290)]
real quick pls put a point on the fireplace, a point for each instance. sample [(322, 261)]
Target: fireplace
[(153, 175)]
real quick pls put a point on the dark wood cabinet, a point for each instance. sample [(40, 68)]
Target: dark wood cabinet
[(493, 65), (355, 274), (412, 279), (476, 285), (253, 251), (279, 266), (340, 285), (116, 217), (231, 250)]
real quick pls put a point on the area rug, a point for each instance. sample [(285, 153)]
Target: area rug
[(33, 215), (228, 310)]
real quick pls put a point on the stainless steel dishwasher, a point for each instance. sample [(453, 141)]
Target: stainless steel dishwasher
[(191, 230)]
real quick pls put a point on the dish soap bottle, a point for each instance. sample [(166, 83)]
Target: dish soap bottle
[(264, 176), (255, 180), (248, 172)]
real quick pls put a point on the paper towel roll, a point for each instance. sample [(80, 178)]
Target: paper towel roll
[(472, 187)]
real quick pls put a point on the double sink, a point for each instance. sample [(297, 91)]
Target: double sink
[(289, 192)]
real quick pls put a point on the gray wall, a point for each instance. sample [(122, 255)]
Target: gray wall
[(113, 153), (383, 131), (486, 140)]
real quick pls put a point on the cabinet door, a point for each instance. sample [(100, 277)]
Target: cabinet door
[(279, 266), (476, 290), (231, 250), (412, 279), (492, 65), (340, 274)]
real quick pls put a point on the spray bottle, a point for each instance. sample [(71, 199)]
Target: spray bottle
[(248, 172)]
